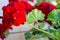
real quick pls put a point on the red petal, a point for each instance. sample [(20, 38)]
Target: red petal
[(19, 5), (19, 20), (4, 7)]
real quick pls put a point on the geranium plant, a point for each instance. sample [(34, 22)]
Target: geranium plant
[(44, 13), (39, 29), (18, 12)]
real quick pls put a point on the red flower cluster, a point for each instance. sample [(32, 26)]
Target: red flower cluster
[(45, 7), (14, 13)]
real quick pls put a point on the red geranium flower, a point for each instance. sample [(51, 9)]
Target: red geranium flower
[(17, 10), (21, 9), (14, 13)]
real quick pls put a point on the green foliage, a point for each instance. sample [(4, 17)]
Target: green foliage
[(34, 16), (38, 1), (28, 36), (34, 33), (54, 17), (58, 5), (39, 31), (55, 33), (44, 0)]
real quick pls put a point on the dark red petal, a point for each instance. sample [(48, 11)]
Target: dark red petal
[(4, 7)]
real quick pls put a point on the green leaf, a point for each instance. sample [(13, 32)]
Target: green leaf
[(27, 36), (34, 16), (38, 1), (56, 33), (33, 29), (44, 0), (54, 17)]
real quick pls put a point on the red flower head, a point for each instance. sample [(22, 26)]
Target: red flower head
[(15, 10), (45, 7), (19, 15), (14, 13)]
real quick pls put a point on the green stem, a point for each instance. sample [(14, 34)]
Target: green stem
[(47, 33)]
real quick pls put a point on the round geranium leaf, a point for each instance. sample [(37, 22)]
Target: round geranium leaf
[(34, 16), (54, 17)]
